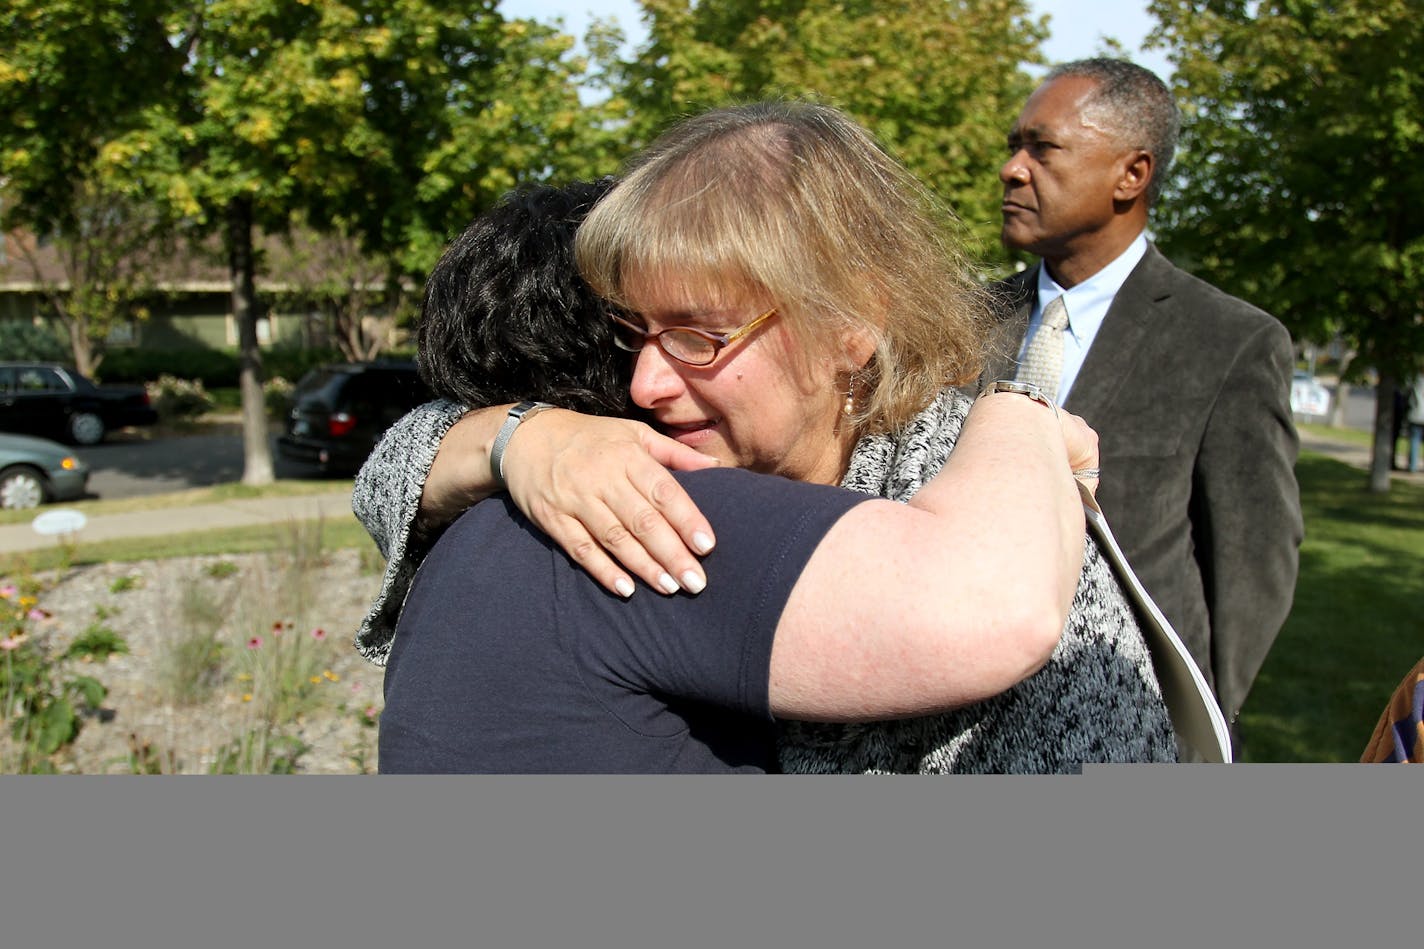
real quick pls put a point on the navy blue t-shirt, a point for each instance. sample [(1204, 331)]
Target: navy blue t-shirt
[(509, 658)]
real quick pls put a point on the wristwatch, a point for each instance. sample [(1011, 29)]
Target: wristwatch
[(524, 410), (1021, 388)]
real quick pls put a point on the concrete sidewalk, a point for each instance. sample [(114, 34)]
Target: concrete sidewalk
[(1357, 456), (245, 512)]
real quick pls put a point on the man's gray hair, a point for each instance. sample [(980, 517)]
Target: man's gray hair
[(1136, 105)]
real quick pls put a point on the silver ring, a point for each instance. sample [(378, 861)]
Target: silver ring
[(1087, 472)]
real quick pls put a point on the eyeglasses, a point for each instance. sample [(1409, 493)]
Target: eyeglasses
[(687, 345)]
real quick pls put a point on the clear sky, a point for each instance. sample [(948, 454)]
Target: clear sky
[(1075, 26)]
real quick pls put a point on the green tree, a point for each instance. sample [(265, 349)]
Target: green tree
[(936, 82), (334, 109), (387, 123), (59, 108), (1296, 181), (96, 276), (349, 288)]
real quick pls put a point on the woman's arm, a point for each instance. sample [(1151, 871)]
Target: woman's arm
[(907, 609), (597, 486)]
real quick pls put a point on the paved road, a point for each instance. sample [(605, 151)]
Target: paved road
[(132, 464), (1359, 408)]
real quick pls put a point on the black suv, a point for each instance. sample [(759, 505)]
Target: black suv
[(339, 412)]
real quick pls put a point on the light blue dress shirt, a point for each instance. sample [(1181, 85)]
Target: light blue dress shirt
[(1087, 304)]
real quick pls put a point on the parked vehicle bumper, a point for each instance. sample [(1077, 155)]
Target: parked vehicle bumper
[(325, 455), (68, 485)]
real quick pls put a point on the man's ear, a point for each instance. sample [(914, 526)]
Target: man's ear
[(1136, 175)]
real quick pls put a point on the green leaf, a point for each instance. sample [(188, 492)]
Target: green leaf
[(55, 725), (90, 690)]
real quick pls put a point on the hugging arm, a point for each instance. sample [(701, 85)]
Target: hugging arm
[(908, 609), (598, 486)]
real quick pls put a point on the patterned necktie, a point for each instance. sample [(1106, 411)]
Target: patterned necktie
[(1042, 363)]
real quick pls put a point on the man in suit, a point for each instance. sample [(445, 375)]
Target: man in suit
[(1188, 388)]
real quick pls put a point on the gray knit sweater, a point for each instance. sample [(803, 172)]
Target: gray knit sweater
[(1096, 700)]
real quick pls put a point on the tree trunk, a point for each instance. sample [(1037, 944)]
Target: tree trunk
[(256, 449), (1383, 453), (82, 347), (1337, 411)]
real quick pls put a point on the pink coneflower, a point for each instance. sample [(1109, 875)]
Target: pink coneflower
[(318, 633), (38, 614), (7, 591), (255, 642), (9, 643)]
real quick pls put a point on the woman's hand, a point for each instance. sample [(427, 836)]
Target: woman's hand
[(601, 489)]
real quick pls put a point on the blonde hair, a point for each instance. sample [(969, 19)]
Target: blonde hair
[(797, 202)]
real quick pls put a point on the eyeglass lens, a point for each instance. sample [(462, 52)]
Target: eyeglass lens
[(679, 343)]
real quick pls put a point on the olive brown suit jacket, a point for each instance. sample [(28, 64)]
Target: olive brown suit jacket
[(1189, 391)]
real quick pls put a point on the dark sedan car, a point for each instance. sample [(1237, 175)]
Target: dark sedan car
[(338, 412), (54, 401)]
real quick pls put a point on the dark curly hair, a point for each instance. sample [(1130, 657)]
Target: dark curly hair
[(507, 317)]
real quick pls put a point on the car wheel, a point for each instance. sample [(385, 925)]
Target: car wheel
[(86, 428), (21, 488)]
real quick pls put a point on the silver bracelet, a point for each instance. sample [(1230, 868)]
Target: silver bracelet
[(524, 410)]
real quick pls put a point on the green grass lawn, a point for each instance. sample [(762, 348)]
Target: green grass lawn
[(189, 497), (1357, 625), (1353, 436)]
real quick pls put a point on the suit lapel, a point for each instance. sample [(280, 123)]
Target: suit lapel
[(1131, 317), (1015, 305)]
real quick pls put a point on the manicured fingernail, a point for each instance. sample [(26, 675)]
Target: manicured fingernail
[(693, 582), (701, 542), (624, 586), (668, 584)]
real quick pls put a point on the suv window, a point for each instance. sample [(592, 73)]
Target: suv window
[(319, 380), (383, 391)]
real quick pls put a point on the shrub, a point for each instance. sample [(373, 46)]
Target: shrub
[(125, 583), (96, 642), (214, 368), (20, 339), (41, 702), (175, 398), (192, 663), (260, 751), (277, 395), (221, 569)]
